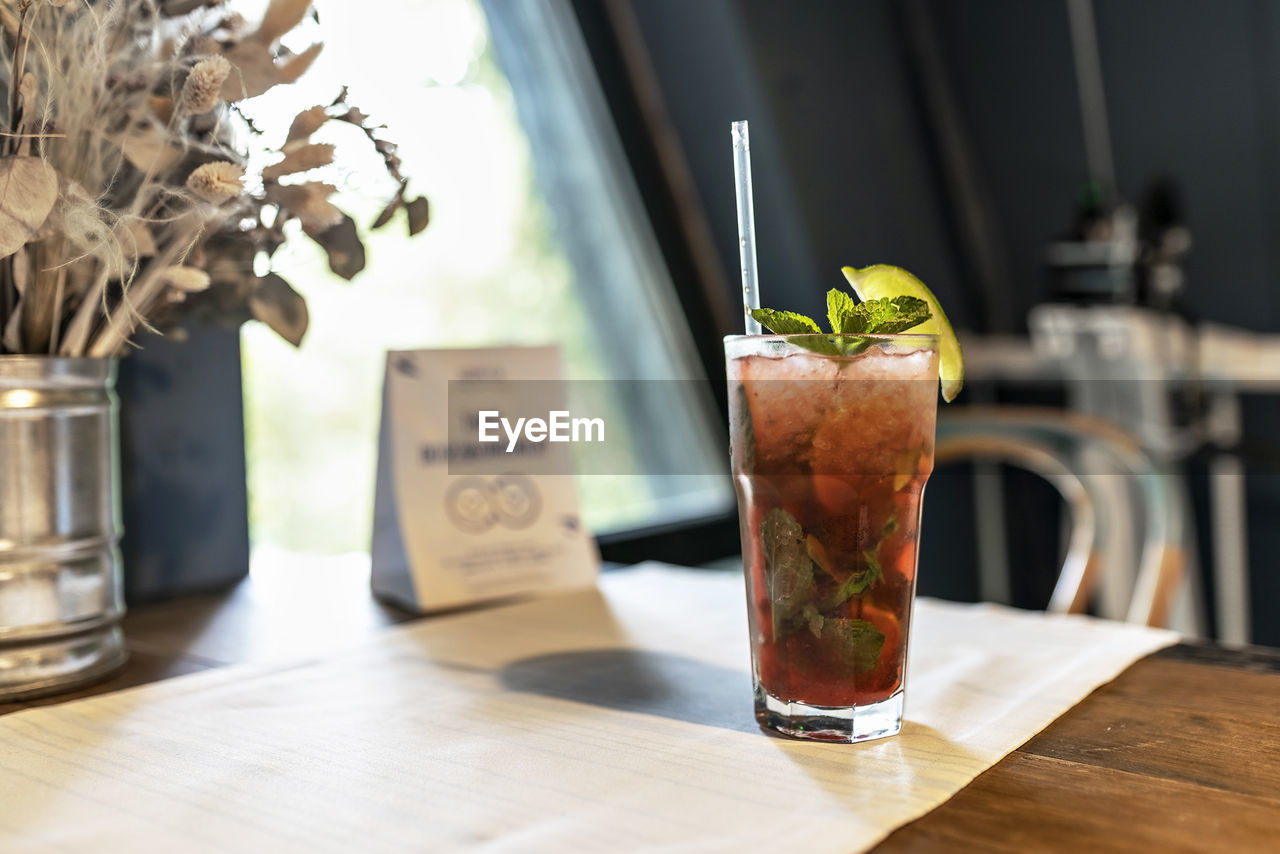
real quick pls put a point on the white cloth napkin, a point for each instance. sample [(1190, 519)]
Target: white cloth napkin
[(612, 721)]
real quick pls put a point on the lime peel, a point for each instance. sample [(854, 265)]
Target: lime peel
[(881, 281)]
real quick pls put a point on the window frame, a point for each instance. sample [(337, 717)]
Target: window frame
[(695, 271), (694, 268)]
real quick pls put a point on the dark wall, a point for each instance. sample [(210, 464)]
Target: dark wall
[(1010, 70), (844, 162), (703, 57), (841, 172), (1192, 91), (835, 77)]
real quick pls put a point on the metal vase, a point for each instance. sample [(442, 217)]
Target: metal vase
[(61, 597)]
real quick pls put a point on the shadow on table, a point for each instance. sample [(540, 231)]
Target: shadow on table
[(630, 680)]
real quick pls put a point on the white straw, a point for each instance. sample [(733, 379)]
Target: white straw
[(746, 224)]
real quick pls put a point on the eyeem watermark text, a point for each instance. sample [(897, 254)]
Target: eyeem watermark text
[(558, 426)]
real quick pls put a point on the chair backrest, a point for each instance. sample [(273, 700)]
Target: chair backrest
[(1081, 457)]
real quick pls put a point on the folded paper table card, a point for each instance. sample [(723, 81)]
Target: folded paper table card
[(468, 508)]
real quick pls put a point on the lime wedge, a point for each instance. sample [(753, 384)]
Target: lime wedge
[(881, 281)]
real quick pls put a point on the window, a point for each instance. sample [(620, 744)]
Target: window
[(537, 236)]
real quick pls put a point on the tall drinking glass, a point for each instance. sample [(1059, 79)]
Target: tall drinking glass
[(830, 456)]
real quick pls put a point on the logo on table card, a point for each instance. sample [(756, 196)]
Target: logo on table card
[(477, 504)]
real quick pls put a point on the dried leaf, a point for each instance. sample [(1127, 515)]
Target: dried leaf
[(388, 212), (419, 211), (147, 147), (28, 191), (342, 244), (309, 202), (21, 271), (229, 263), (232, 26), (306, 123), (174, 8), (301, 159), (280, 17), (296, 66), (161, 107), (135, 238), (356, 117), (282, 308), (12, 338), (255, 71)]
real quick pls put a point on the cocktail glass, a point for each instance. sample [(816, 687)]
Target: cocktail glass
[(830, 454)]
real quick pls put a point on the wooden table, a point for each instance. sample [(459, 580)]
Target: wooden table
[(1180, 753)]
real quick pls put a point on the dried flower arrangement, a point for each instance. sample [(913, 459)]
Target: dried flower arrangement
[(124, 200)]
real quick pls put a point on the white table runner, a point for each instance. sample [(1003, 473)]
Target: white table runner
[(613, 721)]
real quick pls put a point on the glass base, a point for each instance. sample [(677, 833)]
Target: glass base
[(830, 723)]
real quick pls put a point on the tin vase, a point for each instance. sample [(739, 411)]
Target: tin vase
[(61, 598)]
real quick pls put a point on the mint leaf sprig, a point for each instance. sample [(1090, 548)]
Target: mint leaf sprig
[(885, 316), (791, 560)]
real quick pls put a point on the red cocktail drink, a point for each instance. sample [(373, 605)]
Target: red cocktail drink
[(831, 451)]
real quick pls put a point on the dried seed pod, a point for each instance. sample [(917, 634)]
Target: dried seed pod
[(203, 86), (216, 182), (186, 279)]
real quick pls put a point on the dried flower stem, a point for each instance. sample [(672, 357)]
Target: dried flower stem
[(142, 294), (8, 295), (40, 304), (82, 323), (59, 295), (33, 135), (19, 63), (8, 21)]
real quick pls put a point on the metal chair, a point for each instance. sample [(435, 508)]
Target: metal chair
[(1082, 457)]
